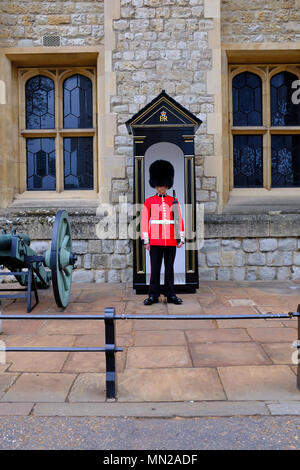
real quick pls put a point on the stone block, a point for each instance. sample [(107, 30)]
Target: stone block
[(127, 275), (107, 246), (87, 261), (239, 258), (208, 274), (223, 274), (94, 246), (118, 261), (100, 276), (80, 247), (238, 274), (287, 244), (39, 246), (266, 273), (283, 274), (122, 246), (279, 258), (251, 274), (213, 259), (81, 275), (295, 273), (249, 245), (267, 244), (256, 259), (230, 245), (227, 258), (100, 260), (210, 245), (114, 276)]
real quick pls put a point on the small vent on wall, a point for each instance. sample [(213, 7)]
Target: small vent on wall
[(51, 40)]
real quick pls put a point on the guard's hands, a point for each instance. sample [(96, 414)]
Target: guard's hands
[(147, 246), (180, 245)]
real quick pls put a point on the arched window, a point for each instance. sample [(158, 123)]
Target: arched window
[(283, 111), (247, 99), (39, 95), (247, 148), (78, 102), (285, 149)]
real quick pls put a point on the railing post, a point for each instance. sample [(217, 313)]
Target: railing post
[(110, 347)]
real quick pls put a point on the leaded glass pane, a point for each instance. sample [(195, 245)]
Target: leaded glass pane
[(285, 161), (39, 96), (78, 103), (247, 100), (78, 163), (283, 111), (248, 161), (40, 164)]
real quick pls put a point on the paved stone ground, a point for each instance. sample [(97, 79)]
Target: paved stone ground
[(232, 366)]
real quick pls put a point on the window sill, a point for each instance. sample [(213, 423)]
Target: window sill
[(263, 201)]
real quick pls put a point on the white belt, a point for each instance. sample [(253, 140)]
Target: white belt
[(163, 222)]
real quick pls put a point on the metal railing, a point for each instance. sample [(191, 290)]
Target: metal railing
[(110, 348)]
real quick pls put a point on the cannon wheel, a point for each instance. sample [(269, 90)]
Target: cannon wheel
[(60, 259)]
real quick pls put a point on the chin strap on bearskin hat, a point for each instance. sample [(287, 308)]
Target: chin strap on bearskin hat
[(161, 174)]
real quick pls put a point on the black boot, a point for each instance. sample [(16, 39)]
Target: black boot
[(174, 300), (151, 300)]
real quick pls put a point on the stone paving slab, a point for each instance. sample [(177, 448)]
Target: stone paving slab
[(152, 410), (172, 324), (273, 334), (177, 384), (153, 357), (273, 382), (6, 380), (217, 335), (227, 354), (281, 409), (159, 338), (38, 361), (30, 387), (88, 388), (91, 362), (15, 409), (279, 353)]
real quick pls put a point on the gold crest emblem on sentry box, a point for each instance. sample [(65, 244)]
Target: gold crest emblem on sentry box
[(163, 116)]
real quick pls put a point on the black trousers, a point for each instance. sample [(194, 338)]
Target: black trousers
[(157, 253)]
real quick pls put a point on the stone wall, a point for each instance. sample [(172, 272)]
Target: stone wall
[(25, 22), (260, 20), (163, 45)]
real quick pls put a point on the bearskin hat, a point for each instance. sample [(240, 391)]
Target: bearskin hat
[(161, 174)]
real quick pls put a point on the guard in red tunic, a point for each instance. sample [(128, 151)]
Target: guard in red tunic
[(166, 230)]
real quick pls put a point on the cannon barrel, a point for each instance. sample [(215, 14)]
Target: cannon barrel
[(5, 240)]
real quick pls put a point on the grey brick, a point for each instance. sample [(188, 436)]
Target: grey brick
[(238, 274), (239, 258), (201, 259), (87, 261), (266, 273), (100, 276), (118, 261), (295, 273), (122, 246), (267, 244), (249, 245), (279, 258), (287, 244), (256, 259), (213, 259), (107, 246), (283, 274), (95, 246), (114, 276), (80, 247), (230, 245), (296, 259), (223, 274), (100, 260), (251, 274), (210, 245), (82, 275), (208, 274), (126, 275)]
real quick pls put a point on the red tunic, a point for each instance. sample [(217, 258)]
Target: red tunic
[(158, 211)]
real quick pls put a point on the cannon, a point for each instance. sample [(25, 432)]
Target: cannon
[(29, 269)]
